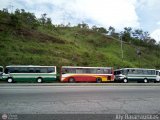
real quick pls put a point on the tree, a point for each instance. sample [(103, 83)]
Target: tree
[(49, 21), (102, 30), (138, 34), (99, 29), (159, 43), (14, 21), (17, 12), (146, 36), (126, 34), (128, 30), (22, 11), (68, 25), (111, 30), (43, 18), (85, 25), (94, 28), (116, 35), (79, 25), (151, 41), (5, 10)]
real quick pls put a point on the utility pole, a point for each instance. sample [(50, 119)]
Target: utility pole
[(121, 47), (139, 55), (157, 53), (11, 7)]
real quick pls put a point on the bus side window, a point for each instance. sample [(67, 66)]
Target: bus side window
[(11, 70), (107, 71), (31, 70), (51, 70), (125, 72), (37, 70), (133, 71), (79, 70), (153, 72), (64, 71), (99, 71), (23, 70), (43, 70), (87, 70), (149, 72), (145, 72)]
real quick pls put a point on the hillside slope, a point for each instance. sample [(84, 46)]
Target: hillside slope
[(70, 46)]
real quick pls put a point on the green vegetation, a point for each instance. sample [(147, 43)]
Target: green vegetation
[(24, 39)]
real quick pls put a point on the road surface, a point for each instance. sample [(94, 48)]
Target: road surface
[(79, 99)]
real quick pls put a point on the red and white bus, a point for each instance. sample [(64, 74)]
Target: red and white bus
[(86, 74)]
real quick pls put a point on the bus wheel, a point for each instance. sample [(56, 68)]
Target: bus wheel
[(10, 80), (156, 81), (71, 80), (98, 80), (39, 80), (125, 81), (145, 80)]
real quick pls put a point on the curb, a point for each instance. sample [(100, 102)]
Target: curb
[(79, 84)]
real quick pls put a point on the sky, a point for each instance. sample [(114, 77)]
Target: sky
[(138, 14)]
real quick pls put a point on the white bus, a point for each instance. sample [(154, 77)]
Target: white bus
[(1, 72), (86, 74), (158, 75), (29, 73), (135, 74)]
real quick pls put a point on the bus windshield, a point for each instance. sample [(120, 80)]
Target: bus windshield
[(1, 69)]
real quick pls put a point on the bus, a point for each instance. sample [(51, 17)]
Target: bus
[(158, 76), (29, 73), (86, 74), (1, 72), (135, 74)]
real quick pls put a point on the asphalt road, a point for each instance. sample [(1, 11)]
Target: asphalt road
[(79, 99)]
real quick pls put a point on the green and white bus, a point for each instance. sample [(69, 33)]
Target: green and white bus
[(158, 75), (135, 74), (29, 73), (1, 72)]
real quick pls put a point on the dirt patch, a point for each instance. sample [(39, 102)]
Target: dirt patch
[(33, 34)]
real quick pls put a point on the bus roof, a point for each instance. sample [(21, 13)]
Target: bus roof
[(136, 68), (28, 66), (85, 67), (117, 69)]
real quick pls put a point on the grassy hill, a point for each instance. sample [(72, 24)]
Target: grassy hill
[(69, 46)]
